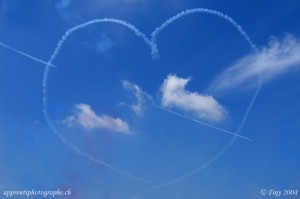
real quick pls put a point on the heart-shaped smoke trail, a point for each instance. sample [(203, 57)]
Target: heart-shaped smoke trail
[(152, 44), (155, 53)]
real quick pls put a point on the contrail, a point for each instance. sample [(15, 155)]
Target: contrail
[(193, 11), (45, 91), (25, 54), (221, 152), (199, 122), (249, 107)]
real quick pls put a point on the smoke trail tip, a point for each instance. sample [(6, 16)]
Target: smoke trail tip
[(155, 53)]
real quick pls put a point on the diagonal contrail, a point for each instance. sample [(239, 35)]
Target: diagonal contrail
[(24, 54), (202, 123), (219, 154), (50, 65)]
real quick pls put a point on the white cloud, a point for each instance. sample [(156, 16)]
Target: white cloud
[(63, 4), (140, 96), (174, 94), (103, 44), (278, 57), (86, 117), (62, 8)]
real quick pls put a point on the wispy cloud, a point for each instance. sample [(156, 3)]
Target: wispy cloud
[(104, 43), (62, 8), (174, 94), (277, 58), (86, 117), (140, 97), (63, 4)]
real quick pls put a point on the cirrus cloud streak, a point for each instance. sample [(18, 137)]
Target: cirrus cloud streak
[(277, 58)]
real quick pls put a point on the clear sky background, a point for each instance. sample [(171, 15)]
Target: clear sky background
[(113, 101)]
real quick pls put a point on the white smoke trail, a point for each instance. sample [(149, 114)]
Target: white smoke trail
[(45, 91), (152, 44), (249, 107), (202, 123), (93, 159), (96, 21), (193, 11), (24, 54)]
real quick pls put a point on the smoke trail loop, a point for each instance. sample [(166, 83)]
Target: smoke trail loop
[(199, 10)]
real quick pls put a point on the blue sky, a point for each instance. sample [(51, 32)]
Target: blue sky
[(121, 122)]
